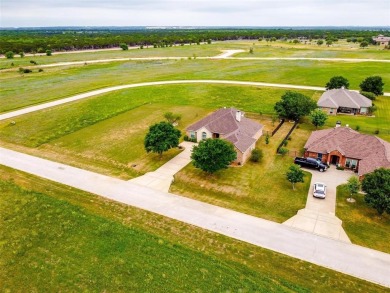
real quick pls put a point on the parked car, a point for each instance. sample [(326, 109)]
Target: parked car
[(310, 163), (319, 190)]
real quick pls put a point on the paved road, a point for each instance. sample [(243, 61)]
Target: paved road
[(351, 259), (319, 216), (121, 87)]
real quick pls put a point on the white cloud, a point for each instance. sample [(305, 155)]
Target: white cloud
[(195, 13)]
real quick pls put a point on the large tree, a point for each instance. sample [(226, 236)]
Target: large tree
[(377, 188), (318, 117), (373, 84), (294, 105), (212, 155), (337, 82), (295, 175), (161, 137)]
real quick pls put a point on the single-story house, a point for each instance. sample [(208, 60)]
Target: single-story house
[(381, 40), (344, 101), (232, 125), (350, 149)]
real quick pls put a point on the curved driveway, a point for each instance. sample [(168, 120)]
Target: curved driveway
[(121, 87)]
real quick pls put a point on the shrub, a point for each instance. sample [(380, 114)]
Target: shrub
[(340, 168), (285, 142), (267, 138), (368, 95), (256, 155), (376, 131), (357, 128), (186, 138), (9, 55), (33, 62), (283, 151), (48, 52), (289, 138), (24, 70)]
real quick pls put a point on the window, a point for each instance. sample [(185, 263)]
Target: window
[(204, 135), (351, 163), (192, 134)]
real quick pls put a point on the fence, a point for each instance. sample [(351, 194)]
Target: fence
[(277, 127), (287, 136)]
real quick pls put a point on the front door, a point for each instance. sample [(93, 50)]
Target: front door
[(334, 160)]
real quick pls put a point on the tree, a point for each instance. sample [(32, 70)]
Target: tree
[(320, 42), (377, 188), (294, 105), (318, 117), (369, 95), (295, 175), (48, 52), (373, 84), (251, 50), (21, 54), (212, 155), (329, 42), (363, 44), (161, 137), (337, 82), (353, 186), (9, 55), (123, 46), (172, 118), (256, 155)]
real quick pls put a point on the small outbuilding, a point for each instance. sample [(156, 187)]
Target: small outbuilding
[(344, 101), (232, 125)]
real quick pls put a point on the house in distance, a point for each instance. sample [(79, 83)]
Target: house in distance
[(344, 101), (232, 125)]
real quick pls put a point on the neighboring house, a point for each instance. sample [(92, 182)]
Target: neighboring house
[(347, 148), (344, 101), (232, 125), (381, 40)]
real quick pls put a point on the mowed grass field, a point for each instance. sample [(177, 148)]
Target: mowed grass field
[(56, 238), (19, 91), (362, 223)]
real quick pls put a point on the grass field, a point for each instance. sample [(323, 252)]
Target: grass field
[(54, 83), (362, 223), (56, 238)]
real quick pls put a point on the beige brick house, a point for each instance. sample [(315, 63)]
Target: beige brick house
[(344, 101), (232, 125)]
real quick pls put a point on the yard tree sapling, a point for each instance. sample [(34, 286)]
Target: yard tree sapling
[(9, 55), (123, 46), (295, 175), (161, 137), (318, 117), (172, 118), (372, 84), (353, 186), (212, 155), (294, 105), (48, 52), (337, 82), (376, 185)]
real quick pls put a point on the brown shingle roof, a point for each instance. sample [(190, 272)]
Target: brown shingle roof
[(372, 151), (343, 98), (223, 121)]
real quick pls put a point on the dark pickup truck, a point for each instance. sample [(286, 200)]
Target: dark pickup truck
[(310, 163)]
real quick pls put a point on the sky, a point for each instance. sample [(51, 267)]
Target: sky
[(41, 13)]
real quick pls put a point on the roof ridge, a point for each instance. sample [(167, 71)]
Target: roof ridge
[(350, 98)]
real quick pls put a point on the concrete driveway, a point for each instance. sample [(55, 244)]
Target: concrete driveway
[(319, 215)]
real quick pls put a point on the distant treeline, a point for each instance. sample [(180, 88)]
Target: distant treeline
[(66, 39)]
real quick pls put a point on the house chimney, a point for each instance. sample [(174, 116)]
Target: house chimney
[(338, 123), (238, 115)]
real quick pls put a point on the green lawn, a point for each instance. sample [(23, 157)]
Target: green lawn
[(54, 83), (362, 223), (56, 238)]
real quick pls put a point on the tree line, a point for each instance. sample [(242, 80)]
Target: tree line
[(67, 39)]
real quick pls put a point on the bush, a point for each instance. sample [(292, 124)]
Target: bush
[(48, 53), (357, 128), (24, 70), (340, 168), (376, 131), (186, 138), (368, 95), (285, 142), (40, 70), (282, 151), (33, 62), (267, 138), (256, 155)]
